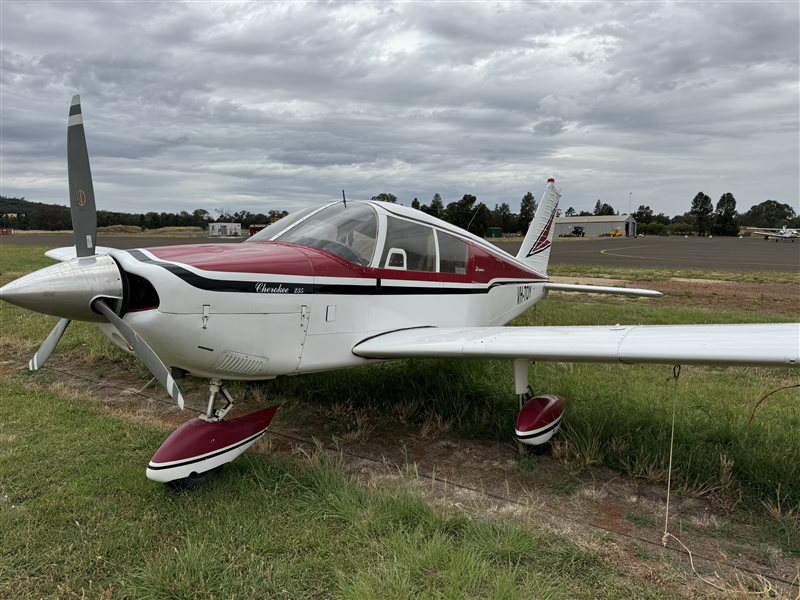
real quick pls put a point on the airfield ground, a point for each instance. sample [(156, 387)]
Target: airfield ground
[(605, 512)]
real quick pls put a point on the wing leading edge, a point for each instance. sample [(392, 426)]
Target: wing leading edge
[(774, 344)]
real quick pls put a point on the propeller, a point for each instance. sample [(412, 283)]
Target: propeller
[(142, 350), (49, 344), (88, 286), (81, 190)]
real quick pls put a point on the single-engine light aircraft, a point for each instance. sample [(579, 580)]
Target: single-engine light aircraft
[(335, 286), (784, 233)]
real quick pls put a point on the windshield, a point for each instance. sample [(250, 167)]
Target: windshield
[(270, 231), (350, 232)]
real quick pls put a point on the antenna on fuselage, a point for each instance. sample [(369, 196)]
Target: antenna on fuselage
[(344, 200)]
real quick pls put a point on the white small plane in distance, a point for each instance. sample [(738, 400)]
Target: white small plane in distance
[(784, 233), (336, 286)]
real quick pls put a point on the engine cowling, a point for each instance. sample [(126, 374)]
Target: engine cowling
[(539, 419)]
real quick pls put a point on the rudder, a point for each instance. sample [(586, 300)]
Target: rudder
[(535, 249)]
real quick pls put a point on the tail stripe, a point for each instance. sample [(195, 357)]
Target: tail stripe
[(542, 242), (535, 249)]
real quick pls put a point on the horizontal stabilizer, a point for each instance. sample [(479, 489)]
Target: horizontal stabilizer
[(601, 289), (772, 344)]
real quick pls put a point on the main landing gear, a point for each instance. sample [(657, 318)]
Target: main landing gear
[(539, 416), (199, 448)]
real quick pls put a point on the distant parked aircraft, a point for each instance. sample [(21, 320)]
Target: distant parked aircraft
[(778, 234)]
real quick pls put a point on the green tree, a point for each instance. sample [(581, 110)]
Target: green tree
[(601, 208), (527, 209), (415, 204), (661, 218), (644, 214), (768, 214), (200, 218), (701, 212), (465, 213), (570, 212), (725, 216), (384, 197), (436, 209), (503, 218)]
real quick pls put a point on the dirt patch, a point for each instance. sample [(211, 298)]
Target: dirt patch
[(773, 298), (780, 298)]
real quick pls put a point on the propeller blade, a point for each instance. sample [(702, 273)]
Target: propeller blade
[(143, 351), (81, 191), (49, 344)]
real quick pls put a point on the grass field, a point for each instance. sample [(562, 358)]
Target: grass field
[(78, 517)]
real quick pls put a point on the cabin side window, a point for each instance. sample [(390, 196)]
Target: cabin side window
[(453, 254), (409, 246)]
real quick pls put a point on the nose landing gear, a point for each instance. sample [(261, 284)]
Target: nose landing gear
[(201, 446)]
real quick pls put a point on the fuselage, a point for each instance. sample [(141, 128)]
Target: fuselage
[(299, 298)]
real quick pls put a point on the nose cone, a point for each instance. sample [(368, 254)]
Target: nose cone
[(67, 289)]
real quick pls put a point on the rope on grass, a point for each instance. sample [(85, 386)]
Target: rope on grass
[(768, 589), (757, 404), (676, 373)]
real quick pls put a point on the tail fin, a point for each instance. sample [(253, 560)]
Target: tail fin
[(535, 249)]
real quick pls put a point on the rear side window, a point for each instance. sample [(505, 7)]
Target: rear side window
[(409, 246), (453, 254)]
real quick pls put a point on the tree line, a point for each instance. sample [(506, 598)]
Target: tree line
[(474, 216), (22, 214), (702, 217)]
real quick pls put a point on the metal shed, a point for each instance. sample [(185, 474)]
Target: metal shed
[(224, 229), (597, 226)]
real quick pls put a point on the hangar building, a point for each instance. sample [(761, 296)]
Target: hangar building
[(597, 226)]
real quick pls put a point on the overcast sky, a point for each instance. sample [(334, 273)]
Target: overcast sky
[(264, 106)]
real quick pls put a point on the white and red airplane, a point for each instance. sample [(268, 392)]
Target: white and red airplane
[(784, 233), (336, 286)]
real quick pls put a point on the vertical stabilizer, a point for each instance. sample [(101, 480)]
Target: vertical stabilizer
[(535, 249)]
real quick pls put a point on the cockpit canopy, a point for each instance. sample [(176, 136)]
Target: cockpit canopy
[(351, 232)]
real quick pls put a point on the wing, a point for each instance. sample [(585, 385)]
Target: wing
[(775, 345)]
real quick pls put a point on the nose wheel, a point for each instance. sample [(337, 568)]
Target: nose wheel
[(199, 448)]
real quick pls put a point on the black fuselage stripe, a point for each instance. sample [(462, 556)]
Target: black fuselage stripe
[(191, 461), (379, 288), (535, 434)]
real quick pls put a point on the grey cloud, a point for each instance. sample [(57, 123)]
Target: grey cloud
[(288, 103)]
